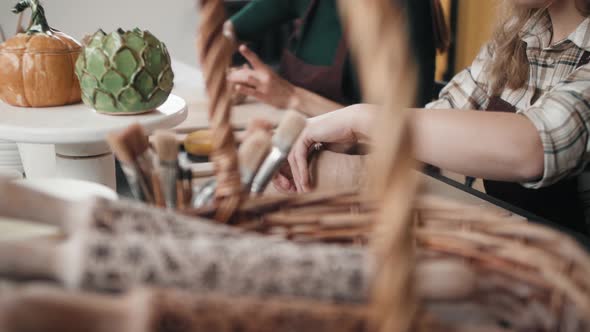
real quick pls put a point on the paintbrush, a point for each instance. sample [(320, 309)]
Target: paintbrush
[(167, 150), (287, 133), (120, 148), (250, 156), (180, 199), (144, 157), (133, 145), (159, 200)]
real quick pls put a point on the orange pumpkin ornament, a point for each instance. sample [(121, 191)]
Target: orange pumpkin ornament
[(37, 66)]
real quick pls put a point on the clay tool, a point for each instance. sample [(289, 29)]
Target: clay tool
[(287, 133), (167, 150)]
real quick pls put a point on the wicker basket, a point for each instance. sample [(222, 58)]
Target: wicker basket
[(525, 277), (440, 265), (514, 275)]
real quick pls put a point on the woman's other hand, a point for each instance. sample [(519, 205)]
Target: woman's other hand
[(261, 82)]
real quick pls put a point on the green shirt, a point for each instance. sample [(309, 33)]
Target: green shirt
[(323, 32), (320, 36)]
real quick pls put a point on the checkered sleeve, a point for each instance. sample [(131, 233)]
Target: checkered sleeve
[(468, 89), (561, 117)]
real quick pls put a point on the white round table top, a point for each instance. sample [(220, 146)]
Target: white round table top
[(79, 123)]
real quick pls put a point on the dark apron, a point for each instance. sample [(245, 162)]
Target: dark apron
[(326, 81), (559, 202)]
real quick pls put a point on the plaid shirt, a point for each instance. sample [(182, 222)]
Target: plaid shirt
[(556, 98)]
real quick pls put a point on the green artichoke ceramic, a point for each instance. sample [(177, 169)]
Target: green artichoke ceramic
[(124, 72)]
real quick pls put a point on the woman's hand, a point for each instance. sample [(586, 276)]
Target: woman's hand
[(348, 126), (261, 82)]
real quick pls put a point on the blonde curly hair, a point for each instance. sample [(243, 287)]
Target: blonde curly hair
[(509, 68)]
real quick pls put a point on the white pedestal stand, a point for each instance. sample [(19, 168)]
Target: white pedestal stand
[(90, 162), (70, 141)]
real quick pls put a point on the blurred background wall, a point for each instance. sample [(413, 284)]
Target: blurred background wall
[(173, 21), (474, 21)]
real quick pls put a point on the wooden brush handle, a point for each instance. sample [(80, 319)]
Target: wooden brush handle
[(157, 188), (21, 202), (152, 310), (226, 314), (180, 201), (22, 260), (47, 308)]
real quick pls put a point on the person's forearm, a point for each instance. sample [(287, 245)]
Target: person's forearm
[(311, 104), (362, 121), (490, 145)]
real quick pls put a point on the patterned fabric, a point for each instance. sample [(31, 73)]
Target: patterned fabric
[(128, 244), (556, 98)]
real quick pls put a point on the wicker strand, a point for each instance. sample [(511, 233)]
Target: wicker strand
[(387, 75), (215, 56)]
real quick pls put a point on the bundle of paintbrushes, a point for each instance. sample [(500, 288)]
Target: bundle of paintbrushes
[(259, 158), (158, 178), (153, 177)]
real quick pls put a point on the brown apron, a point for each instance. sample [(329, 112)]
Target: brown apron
[(326, 81), (559, 202)]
